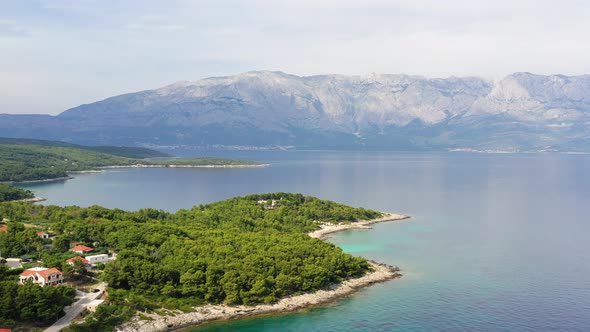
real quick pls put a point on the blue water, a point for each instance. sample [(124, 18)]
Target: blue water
[(496, 242)]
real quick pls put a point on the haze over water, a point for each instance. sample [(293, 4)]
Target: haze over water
[(496, 242)]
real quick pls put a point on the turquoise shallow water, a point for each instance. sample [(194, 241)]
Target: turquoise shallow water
[(496, 242)]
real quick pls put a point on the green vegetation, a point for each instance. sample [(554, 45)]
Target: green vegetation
[(30, 302), (12, 193), (244, 250), (121, 151), (19, 162), (31, 162)]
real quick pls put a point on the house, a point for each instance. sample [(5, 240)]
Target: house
[(82, 249), (5, 330), (42, 276), (80, 258), (43, 235), (3, 228), (96, 259)]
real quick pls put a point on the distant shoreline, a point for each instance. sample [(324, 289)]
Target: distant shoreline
[(63, 178), (182, 166), (380, 273), (102, 168)]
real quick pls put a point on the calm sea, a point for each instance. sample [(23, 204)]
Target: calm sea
[(496, 242)]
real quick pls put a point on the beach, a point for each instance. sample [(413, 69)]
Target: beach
[(363, 224), (379, 273)]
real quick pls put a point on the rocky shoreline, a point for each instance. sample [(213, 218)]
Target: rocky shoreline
[(32, 200), (379, 273)]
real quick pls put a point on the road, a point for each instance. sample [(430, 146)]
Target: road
[(75, 309)]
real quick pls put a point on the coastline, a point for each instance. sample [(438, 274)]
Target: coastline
[(379, 273), (182, 166), (85, 172), (102, 168), (363, 224), (63, 178), (32, 200)]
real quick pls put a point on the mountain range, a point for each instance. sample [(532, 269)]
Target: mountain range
[(264, 109)]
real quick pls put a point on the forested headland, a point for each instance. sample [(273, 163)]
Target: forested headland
[(44, 160), (11, 193), (245, 250)]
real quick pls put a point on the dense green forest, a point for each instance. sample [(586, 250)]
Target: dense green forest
[(31, 162), (244, 250), (19, 162), (12, 193), (121, 151)]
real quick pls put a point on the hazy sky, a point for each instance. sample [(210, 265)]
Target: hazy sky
[(59, 54)]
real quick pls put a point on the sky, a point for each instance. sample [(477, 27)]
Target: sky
[(59, 54)]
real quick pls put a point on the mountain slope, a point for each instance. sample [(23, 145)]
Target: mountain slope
[(523, 111)]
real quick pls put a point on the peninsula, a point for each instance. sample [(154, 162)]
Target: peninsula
[(26, 161), (378, 272), (238, 257)]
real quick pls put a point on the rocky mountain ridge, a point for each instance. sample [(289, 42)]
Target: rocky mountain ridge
[(521, 112)]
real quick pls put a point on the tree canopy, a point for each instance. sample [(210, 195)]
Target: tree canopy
[(244, 250)]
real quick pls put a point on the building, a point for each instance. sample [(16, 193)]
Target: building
[(82, 249), (96, 259), (42, 276), (80, 258), (43, 235), (5, 330), (3, 228)]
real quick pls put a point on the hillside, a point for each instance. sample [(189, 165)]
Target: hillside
[(237, 251), (264, 109)]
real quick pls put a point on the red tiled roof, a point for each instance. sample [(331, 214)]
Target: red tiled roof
[(5, 330), (4, 229), (82, 248), (43, 273), (47, 273), (84, 260), (27, 273), (41, 233)]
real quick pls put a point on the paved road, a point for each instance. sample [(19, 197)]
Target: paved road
[(75, 309)]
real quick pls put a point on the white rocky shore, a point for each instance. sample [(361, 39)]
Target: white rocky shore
[(333, 228), (380, 273), (32, 200)]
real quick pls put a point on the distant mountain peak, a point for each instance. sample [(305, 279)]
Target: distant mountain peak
[(382, 111)]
